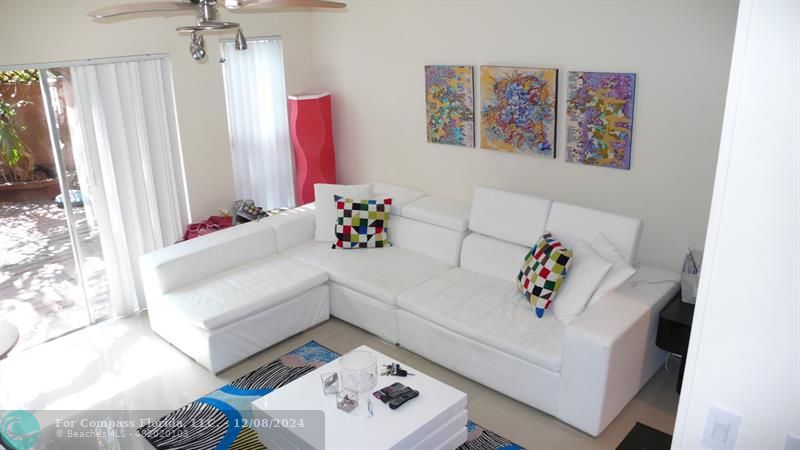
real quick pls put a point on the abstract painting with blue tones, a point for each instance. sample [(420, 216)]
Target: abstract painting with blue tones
[(518, 110)]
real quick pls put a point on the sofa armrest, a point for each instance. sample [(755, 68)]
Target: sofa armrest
[(294, 226), (187, 262), (609, 351)]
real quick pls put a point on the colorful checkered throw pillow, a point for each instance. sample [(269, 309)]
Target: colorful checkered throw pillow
[(362, 223), (543, 271)]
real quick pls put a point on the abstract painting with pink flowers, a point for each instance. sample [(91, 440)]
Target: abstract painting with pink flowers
[(600, 118), (518, 110)]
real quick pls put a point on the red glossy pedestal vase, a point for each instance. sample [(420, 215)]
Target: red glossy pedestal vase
[(312, 139)]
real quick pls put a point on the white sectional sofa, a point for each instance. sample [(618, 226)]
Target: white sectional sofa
[(445, 290)]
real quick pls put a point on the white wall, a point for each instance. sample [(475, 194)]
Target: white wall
[(38, 31), (744, 353), (371, 58)]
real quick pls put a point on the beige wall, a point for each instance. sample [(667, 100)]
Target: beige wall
[(37, 31), (371, 58)]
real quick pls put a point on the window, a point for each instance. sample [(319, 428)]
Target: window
[(258, 123)]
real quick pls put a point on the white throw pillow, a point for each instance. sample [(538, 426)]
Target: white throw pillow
[(325, 211), (586, 271), (620, 271)]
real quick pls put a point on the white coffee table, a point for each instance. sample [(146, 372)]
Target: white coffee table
[(436, 419)]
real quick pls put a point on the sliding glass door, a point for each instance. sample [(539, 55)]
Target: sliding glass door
[(76, 196), (91, 178), (52, 279)]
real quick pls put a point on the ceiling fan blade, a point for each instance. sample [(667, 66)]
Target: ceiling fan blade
[(275, 4), (140, 8)]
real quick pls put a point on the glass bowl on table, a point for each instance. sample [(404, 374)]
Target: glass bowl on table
[(359, 371)]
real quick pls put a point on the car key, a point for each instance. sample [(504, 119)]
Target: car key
[(394, 369)]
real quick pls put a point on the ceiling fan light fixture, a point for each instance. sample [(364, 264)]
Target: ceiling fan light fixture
[(241, 42), (198, 46), (207, 15)]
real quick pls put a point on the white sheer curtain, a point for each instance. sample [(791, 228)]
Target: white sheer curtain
[(124, 130), (258, 123)]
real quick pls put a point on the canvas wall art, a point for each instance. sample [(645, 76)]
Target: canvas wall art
[(600, 118), (518, 110), (449, 101)]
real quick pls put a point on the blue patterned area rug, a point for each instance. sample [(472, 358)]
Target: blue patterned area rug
[(225, 409)]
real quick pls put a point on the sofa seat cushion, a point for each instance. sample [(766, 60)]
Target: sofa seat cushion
[(243, 291), (491, 311), (381, 273)]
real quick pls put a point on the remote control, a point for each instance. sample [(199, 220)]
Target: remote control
[(399, 400), (389, 392), (400, 393)]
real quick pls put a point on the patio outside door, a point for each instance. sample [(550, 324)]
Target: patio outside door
[(52, 271)]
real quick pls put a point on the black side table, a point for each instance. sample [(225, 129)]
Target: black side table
[(674, 327), (642, 437)]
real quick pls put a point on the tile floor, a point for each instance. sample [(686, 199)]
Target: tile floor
[(40, 290), (121, 364)]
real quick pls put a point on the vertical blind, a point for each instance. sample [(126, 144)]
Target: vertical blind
[(125, 134)]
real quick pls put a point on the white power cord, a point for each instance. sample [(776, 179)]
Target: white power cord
[(638, 282)]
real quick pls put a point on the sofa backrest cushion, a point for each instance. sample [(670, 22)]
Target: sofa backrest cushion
[(293, 226), (188, 262), (492, 257), (431, 240), (569, 223), (439, 211), (510, 216), (400, 195)]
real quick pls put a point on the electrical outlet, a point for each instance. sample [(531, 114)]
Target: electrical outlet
[(721, 429)]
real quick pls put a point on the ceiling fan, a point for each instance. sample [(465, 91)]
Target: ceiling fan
[(207, 12)]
